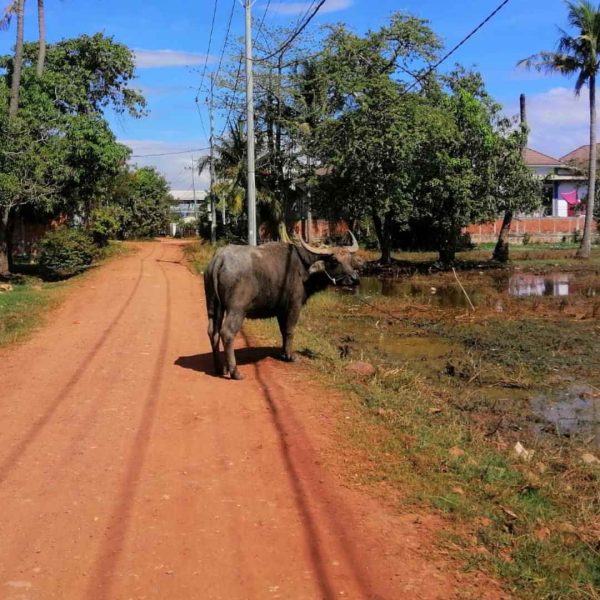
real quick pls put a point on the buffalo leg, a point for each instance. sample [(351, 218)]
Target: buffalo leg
[(215, 320), (287, 325), (231, 325)]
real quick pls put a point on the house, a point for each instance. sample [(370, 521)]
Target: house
[(186, 207), (562, 214)]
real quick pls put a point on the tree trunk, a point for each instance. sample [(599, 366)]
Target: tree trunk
[(4, 245), (501, 250), (383, 231), (447, 248), (18, 62), (586, 242), (42, 39)]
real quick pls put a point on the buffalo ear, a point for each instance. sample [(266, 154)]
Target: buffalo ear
[(317, 267)]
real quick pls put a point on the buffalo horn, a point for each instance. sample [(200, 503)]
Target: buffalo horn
[(324, 251), (327, 251)]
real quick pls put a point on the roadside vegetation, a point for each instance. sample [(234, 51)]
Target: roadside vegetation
[(26, 299), (453, 409)]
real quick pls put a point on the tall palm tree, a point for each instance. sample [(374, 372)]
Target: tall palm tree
[(578, 54), (15, 8), (42, 39)]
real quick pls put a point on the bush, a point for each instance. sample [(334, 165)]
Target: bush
[(105, 224), (65, 252)]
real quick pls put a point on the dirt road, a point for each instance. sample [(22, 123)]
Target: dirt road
[(128, 471)]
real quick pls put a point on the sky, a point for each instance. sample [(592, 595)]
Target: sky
[(170, 40)]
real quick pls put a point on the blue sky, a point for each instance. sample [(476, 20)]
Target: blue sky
[(171, 41)]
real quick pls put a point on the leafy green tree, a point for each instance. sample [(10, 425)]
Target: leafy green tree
[(459, 174), (368, 132), (58, 153), (143, 195), (578, 54), (516, 188)]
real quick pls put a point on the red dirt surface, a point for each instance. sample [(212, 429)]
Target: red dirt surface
[(128, 471)]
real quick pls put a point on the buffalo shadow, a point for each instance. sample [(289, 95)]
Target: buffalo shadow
[(203, 363)]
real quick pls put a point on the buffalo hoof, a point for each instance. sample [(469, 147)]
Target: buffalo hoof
[(289, 358), (236, 375)]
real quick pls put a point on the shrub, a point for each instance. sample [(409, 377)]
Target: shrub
[(65, 252)]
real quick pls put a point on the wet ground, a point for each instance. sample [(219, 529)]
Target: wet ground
[(569, 408), (515, 285)]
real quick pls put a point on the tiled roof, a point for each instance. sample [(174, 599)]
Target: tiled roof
[(579, 155), (533, 158)]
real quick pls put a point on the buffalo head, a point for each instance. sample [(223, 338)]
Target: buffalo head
[(337, 263)]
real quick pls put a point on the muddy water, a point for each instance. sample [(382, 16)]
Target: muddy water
[(430, 353), (574, 412), (449, 295)]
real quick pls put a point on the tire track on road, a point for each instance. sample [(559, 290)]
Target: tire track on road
[(9, 462), (101, 579)]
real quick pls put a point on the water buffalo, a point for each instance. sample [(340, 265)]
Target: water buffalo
[(272, 280)]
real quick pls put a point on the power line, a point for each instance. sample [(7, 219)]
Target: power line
[(235, 89), (419, 79), (296, 33), (226, 38), (170, 153), (212, 28), (262, 21)]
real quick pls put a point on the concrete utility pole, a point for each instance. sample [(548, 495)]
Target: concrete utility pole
[(194, 189), (251, 190), (213, 208)]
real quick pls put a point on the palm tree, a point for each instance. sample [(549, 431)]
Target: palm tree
[(15, 8), (42, 38), (579, 55)]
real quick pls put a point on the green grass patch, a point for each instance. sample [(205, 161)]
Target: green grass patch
[(23, 308)]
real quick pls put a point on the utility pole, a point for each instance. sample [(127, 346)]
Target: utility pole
[(213, 208), (194, 188), (251, 190), (193, 169)]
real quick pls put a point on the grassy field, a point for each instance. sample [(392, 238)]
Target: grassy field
[(453, 394), (24, 308)]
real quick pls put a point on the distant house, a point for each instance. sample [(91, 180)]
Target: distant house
[(187, 206), (562, 214), (187, 203), (564, 185)]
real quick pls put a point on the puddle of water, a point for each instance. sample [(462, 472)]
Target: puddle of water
[(445, 296), (554, 284), (574, 412), (519, 285), (429, 352)]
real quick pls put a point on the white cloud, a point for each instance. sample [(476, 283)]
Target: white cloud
[(558, 120), (159, 59), (296, 8), (174, 167)]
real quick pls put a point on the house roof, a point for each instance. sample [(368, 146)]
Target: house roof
[(187, 195), (579, 155), (533, 158)]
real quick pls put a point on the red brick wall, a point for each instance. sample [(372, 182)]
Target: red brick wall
[(539, 229)]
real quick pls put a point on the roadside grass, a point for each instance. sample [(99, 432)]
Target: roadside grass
[(199, 254), (439, 419), (24, 308)]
